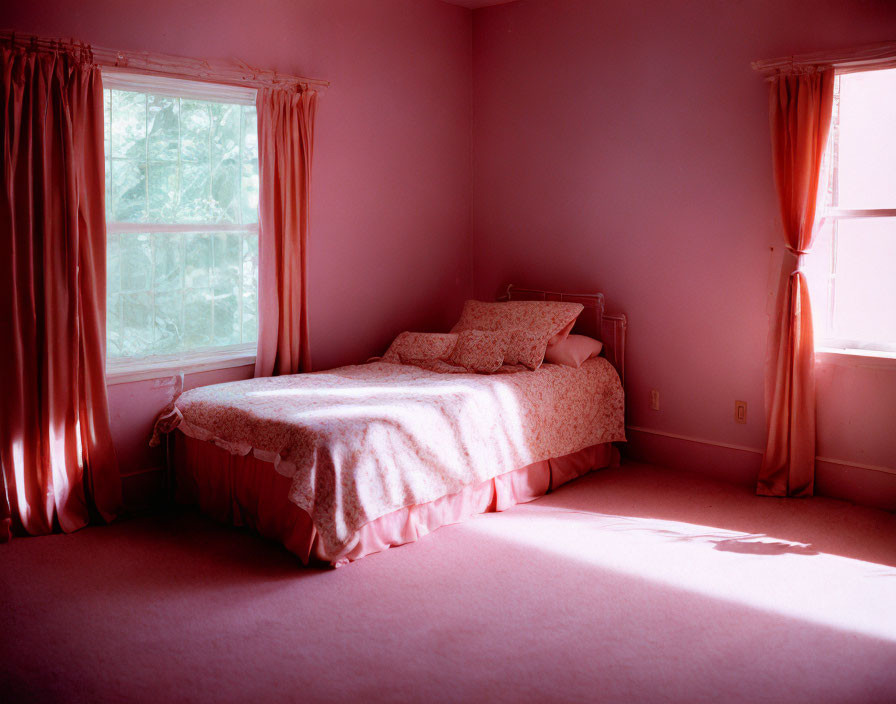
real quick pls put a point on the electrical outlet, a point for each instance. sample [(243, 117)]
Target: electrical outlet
[(655, 399), (740, 411)]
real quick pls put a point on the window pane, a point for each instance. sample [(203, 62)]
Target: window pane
[(175, 161), (864, 285), (171, 160), (163, 128), (136, 262), (227, 317), (162, 191), (249, 193), (195, 123), (195, 193), (198, 317), (136, 323), (867, 140), (225, 203), (128, 126), (167, 322), (113, 325), (225, 128), (227, 282), (250, 288), (180, 291), (128, 182), (249, 183), (168, 261), (198, 260)]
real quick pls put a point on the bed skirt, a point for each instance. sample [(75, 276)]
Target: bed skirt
[(247, 491)]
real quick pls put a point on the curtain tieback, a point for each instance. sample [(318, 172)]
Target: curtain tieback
[(800, 255)]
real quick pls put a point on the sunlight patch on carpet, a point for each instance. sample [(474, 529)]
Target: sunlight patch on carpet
[(757, 570)]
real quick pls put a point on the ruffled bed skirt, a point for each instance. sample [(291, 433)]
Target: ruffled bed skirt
[(247, 491)]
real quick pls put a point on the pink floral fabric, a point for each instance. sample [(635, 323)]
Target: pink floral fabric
[(539, 323), (480, 351), (526, 347), (363, 441), (411, 347)]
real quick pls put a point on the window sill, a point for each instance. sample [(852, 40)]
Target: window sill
[(123, 371), (855, 358)]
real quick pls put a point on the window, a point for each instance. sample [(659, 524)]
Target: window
[(181, 222), (852, 270)]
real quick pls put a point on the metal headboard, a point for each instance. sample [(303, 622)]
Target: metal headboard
[(609, 328)]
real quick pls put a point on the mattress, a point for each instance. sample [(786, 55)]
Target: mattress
[(358, 443)]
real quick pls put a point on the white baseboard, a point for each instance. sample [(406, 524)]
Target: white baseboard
[(867, 484), (743, 448), (759, 451)]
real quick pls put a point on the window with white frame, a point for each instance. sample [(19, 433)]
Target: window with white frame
[(852, 269), (181, 223)]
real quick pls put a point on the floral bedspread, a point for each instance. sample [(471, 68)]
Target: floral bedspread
[(363, 441)]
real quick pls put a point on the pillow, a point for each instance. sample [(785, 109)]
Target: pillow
[(525, 347), (550, 317), (563, 334), (550, 321), (574, 350), (411, 347), (480, 351)]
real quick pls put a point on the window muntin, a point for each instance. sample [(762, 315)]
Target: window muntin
[(852, 271), (182, 214)]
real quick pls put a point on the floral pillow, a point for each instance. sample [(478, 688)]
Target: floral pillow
[(543, 321), (480, 351), (526, 347), (412, 347)]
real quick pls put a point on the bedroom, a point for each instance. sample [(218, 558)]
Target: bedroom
[(547, 144)]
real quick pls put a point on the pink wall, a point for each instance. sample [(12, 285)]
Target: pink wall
[(391, 182), (623, 146)]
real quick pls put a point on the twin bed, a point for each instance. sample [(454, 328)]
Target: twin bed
[(343, 463)]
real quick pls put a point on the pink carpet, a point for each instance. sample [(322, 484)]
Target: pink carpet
[(633, 584)]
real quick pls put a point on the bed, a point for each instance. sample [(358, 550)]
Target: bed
[(342, 463)]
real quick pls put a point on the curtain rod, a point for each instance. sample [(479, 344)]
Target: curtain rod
[(230, 72), (870, 56)]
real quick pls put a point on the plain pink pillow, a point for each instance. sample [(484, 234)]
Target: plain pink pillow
[(562, 335), (574, 350)]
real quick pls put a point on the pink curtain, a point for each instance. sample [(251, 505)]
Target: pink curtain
[(285, 136), (56, 451), (800, 115)]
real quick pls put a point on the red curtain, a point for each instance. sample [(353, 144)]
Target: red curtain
[(800, 115), (56, 450), (285, 136)]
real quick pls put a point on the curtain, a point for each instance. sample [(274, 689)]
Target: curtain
[(285, 136), (800, 116), (58, 463)]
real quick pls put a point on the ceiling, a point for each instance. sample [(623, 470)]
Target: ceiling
[(473, 4)]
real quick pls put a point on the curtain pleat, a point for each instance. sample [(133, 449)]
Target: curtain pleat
[(285, 138), (800, 117), (55, 444)]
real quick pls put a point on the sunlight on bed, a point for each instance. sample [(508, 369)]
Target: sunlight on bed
[(760, 571), (491, 416), (370, 391), (496, 402)]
